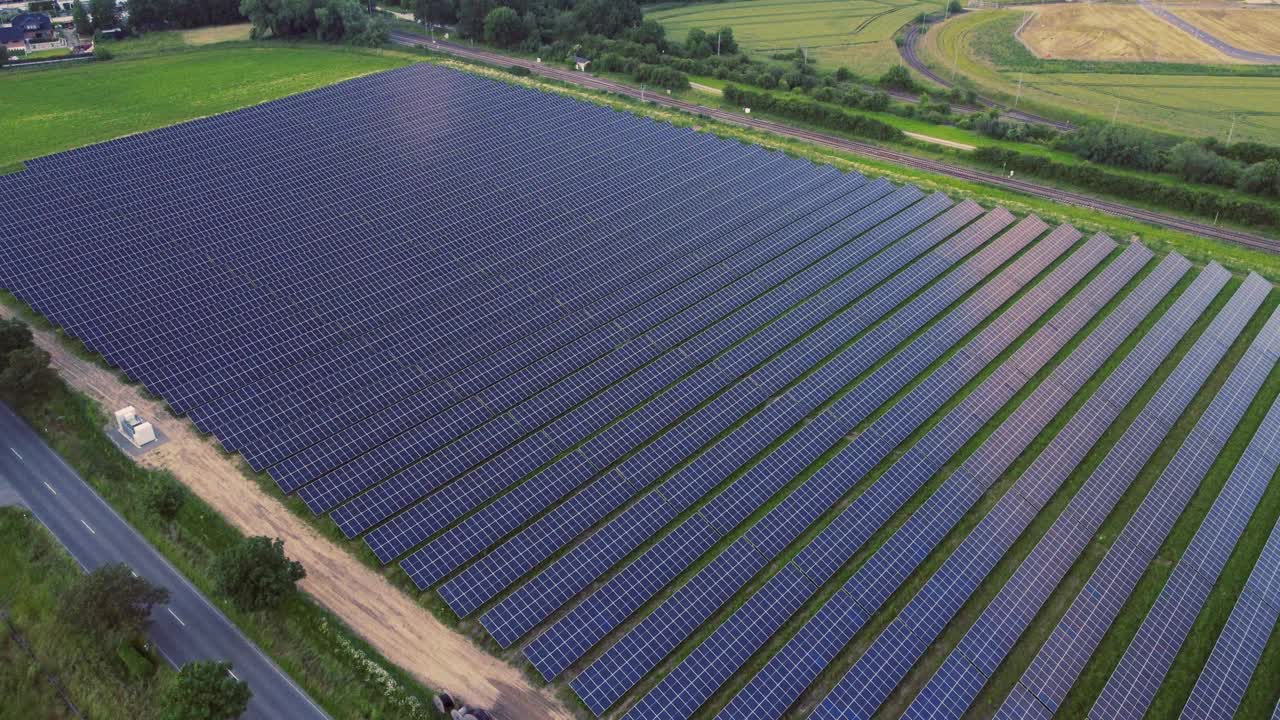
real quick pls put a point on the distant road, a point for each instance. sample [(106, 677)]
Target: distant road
[(909, 56), (1067, 197), (189, 627), (1206, 37)]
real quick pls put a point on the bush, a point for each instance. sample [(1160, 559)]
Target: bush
[(101, 53), (503, 27), (136, 665), (256, 575), (898, 77), (165, 497), (519, 71), (809, 110), (1180, 197)]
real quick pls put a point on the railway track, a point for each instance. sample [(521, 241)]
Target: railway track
[(1067, 197), (909, 56)]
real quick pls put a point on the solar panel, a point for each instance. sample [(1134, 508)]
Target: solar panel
[(987, 641), (510, 618), (878, 671), (1134, 682), (819, 640), (711, 663), (1063, 656)]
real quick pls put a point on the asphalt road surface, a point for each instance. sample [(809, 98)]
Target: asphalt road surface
[(189, 627), (1204, 36), (1066, 197)]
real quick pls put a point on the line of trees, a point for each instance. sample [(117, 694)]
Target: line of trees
[(800, 107), (1248, 167), (157, 14), (1199, 201), (331, 20)]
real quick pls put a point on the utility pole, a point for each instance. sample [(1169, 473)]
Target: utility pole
[(717, 43), (1019, 96), (642, 88), (955, 61), (1115, 112), (1232, 131)]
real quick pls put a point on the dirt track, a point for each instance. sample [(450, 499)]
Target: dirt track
[(402, 631)]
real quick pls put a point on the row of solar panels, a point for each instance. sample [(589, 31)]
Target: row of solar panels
[(600, 380)]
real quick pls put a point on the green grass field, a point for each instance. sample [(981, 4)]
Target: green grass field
[(979, 49), (158, 81), (854, 33)]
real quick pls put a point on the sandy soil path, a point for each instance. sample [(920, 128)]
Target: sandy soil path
[(402, 631)]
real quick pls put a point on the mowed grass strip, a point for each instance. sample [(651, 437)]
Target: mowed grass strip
[(56, 108)]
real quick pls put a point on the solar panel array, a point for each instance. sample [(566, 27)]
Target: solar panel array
[(673, 415)]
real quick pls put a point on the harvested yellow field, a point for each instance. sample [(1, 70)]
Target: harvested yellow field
[(1111, 32), (1256, 29), (217, 34)]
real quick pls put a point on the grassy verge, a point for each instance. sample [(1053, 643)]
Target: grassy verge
[(336, 668), (35, 571)]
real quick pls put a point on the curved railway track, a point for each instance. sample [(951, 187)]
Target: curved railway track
[(1067, 197), (909, 56)]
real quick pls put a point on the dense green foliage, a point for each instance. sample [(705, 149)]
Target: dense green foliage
[(80, 16), (153, 14), (1169, 195), (165, 498), (206, 691), (331, 20), (256, 575), (104, 14), (26, 379), (110, 601), (806, 109)]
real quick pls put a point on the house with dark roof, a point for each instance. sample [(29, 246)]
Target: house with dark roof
[(35, 27), (12, 39)]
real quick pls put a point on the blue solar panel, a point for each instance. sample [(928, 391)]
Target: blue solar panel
[(790, 671), (1225, 677), (732, 642), (1134, 683), (987, 642), (510, 619), (900, 645)]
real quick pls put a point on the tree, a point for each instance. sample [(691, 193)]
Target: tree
[(843, 74), (434, 11), (898, 77), (148, 14), (697, 44), (503, 27), (80, 16), (256, 575), (954, 7), (14, 335), (1195, 163), (110, 599), (27, 380), (206, 690), (104, 14), (165, 497), (607, 17), (1261, 178), (728, 46), (471, 15)]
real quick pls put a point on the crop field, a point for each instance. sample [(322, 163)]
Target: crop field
[(1111, 32), (854, 33), (980, 49), (697, 428), (1256, 29)]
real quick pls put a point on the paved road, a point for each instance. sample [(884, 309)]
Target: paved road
[(1206, 37), (189, 627), (908, 52), (1117, 209)]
